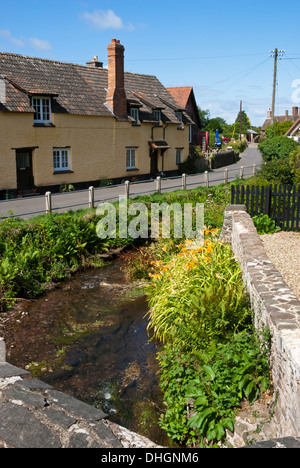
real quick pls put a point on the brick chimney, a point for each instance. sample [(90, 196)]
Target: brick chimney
[(116, 97), (295, 111)]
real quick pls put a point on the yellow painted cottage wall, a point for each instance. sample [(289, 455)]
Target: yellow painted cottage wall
[(97, 147), (16, 131)]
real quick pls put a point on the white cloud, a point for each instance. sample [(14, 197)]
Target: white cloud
[(7, 35), (33, 42), (39, 44), (106, 19)]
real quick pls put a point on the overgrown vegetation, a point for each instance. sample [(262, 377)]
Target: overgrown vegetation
[(211, 359)]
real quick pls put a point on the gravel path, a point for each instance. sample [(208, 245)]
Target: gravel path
[(283, 249)]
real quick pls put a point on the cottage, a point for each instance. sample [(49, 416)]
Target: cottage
[(66, 123), (185, 97), (294, 131), (293, 117)]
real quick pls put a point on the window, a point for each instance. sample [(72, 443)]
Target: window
[(157, 116), (191, 134), (178, 155), (61, 159), (131, 158), (179, 117), (134, 112), (42, 109)]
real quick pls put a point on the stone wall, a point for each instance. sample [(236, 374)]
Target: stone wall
[(274, 306)]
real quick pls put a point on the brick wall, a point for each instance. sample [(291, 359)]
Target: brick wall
[(274, 306)]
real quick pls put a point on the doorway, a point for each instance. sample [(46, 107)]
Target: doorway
[(24, 169), (154, 162)]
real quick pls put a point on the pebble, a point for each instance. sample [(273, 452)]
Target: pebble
[(283, 249)]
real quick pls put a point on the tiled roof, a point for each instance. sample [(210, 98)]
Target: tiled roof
[(78, 89), (181, 94), (280, 118)]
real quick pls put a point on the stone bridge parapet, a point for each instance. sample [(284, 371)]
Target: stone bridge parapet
[(275, 306)]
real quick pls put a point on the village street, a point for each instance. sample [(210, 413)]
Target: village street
[(34, 206)]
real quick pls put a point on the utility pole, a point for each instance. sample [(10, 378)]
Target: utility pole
[(275, 53), (240, 120)]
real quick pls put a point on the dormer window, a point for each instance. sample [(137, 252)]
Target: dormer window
[(134, 112), (179, 117), (42, 109)]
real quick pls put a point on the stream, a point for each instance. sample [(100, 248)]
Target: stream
[(88, 338)]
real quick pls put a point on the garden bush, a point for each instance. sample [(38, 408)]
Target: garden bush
[(278, 147), (295, 164)]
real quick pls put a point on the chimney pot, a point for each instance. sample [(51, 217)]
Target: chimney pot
[(95, 63)]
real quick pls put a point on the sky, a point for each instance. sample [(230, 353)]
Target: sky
[(221, 49)]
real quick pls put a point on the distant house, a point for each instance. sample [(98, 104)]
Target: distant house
[(294, 131), (186, 99), (78, 124), (281, 118)]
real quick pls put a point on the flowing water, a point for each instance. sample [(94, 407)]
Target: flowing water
[(88, 338)]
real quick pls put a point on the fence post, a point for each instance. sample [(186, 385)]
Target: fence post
[(158, 184), (127, 185), (254, 170), (242, 172), (206, 178), (91, 197), (48, 202), (183, 181), (226, 176)]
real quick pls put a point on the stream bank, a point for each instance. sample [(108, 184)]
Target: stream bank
[(88, 339)]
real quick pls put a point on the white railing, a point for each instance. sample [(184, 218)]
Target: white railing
[(88, 198)]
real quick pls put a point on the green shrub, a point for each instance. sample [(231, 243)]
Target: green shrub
[(264, 224), (278, 147), (277, 171), (203, 389), (295, 164), (239, 145)]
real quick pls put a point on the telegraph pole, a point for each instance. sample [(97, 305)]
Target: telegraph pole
[(275, 53), (240, 120)]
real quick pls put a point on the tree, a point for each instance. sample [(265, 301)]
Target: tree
[(245, 122), (216, 123), (204, 116)]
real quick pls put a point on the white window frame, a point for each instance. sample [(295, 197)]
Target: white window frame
[(59, 164), (38, 105), (178, 155), (130, 158), (135, 114)]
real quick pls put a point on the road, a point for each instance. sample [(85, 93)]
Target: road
[(33, 206)]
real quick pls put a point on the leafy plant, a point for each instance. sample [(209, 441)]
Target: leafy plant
[(202, 389), (264, 224)]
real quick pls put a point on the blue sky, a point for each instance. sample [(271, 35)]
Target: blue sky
[(222, 49)]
